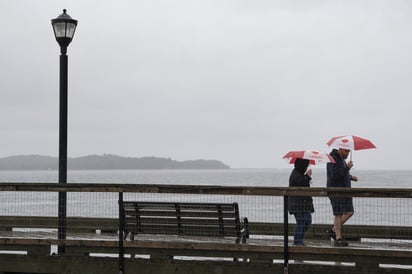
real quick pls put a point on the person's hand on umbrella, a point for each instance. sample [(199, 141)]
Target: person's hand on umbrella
[(308, 171), (350, 165)]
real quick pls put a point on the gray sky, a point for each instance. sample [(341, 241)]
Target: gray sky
[(234, 80)]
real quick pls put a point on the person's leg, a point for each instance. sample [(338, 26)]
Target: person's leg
[(337, 226), (335, 232), (299, 229), (338, 231), (307, 221), (347, 209), (346, 217), (303, 222), (339, 211)]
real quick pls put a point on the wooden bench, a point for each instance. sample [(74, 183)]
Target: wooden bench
[(182, 219)]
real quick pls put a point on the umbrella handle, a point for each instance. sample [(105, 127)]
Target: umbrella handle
[(351, 155), (308, 169)]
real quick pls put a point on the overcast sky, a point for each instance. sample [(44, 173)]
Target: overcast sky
[(234, 80)]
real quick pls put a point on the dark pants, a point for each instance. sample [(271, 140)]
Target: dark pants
[(303, 221)]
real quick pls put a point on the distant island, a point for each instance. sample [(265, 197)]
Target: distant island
[(105, 161)]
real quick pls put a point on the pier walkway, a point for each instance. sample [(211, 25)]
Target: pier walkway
[(28, 232)]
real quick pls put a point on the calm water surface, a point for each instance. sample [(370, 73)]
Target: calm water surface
[(227, 177)]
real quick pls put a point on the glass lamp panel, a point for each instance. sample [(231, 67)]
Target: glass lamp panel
[(70, 30), (59, 29)]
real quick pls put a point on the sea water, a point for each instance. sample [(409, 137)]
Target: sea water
[(224, 177), (371, 211)]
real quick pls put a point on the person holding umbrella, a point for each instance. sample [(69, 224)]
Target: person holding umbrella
[(300, 206), (338, 175)]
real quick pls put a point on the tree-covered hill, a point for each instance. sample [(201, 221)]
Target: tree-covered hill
[(106, 161)]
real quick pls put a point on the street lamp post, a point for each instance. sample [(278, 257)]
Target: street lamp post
[(64, 27)]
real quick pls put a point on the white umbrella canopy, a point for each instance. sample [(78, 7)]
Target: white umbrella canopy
[(314, 156)]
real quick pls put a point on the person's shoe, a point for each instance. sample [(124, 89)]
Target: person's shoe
[(341, 242), (332, 234), (299, 244)]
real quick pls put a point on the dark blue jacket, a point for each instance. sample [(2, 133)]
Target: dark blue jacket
[(337, 174), (300, 204)]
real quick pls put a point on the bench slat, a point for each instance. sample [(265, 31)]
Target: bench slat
[(199, 214), (187, 230), (202, 206), (183, 221)]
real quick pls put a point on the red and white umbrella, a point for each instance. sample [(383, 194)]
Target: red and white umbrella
[(350, 142), (313, 156)]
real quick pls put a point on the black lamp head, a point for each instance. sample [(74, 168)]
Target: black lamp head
[(64, 27)]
